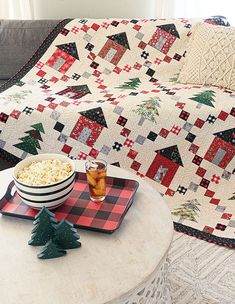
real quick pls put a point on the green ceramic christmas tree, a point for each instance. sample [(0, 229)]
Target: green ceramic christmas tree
[(205, 98), (188, 211), (45, 227), (130, 85), (51, 251), (66, 235), (148, 110), (30, 143)]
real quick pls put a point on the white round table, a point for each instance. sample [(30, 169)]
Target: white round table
[(128, 266)]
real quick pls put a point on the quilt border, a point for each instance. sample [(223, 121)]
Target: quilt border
[(221, 241)]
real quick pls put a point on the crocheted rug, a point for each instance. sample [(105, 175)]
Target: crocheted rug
[(107, 89)]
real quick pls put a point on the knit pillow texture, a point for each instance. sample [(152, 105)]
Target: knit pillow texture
[(211, 57)]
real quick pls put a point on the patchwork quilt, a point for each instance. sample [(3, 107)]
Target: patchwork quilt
[(108, 89)]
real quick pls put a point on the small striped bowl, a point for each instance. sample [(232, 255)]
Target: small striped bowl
[(50, 196)]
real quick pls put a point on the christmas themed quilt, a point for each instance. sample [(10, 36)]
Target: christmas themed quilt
[(108, 89)]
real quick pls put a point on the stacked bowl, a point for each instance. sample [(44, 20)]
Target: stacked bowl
[(51, 195)]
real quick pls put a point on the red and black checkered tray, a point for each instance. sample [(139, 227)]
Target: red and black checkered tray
[(78, 208)]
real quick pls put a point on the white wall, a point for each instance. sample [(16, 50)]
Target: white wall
[(204, 8), (59, 9)]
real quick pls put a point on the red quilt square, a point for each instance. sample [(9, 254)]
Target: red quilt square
[(193, 148), (53, 105), (169, 192), (117, 70), (128, 143), (40, 108), (41, 73), (167, 59), (64, 78), (15, 114), (201, 171), (85, 28), (66, 149), (223, 115), (208, 229), (96, 73), (137, 27), (226, 216), (95, 26), (54, 79), (199, 123), (132, 154), (64, 104), (214, 201), (94, 153), (137, 66), (125, 132), (164, 133), (157, 60), (209, 193), (135, 165), (142, 45)]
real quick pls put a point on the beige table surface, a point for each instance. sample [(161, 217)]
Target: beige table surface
[(102, 270)]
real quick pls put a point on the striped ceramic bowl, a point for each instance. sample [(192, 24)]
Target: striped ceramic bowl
[(50, 196)]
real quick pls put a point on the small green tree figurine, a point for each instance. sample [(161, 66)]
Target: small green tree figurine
[(148, 110), (66, 235), (51, 251), (130, 85), (45, 227), (205, 98), (188, 211)]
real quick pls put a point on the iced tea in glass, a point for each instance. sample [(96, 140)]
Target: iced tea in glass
[(96, 178)]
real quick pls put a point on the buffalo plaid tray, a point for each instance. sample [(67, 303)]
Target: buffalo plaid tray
[(78, 208)]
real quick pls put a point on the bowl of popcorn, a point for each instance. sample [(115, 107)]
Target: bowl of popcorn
[(44, 180)]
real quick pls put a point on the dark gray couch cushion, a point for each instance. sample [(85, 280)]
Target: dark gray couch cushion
[(19, 39)]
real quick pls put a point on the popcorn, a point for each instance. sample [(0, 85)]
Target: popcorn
[(45, 172)]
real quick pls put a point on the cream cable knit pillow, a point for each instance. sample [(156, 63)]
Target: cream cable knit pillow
[(211, 57)]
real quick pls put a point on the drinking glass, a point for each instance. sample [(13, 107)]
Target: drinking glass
[(96, 177)]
